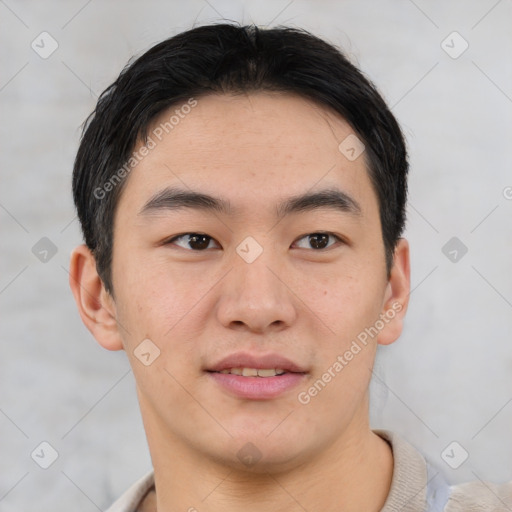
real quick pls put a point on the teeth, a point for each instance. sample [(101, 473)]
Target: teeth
[(250, 372), (254, 372)]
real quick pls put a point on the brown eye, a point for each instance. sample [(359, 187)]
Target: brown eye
[(317, 241), (194, 241)]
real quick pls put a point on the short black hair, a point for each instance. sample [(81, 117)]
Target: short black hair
[(222, 59)]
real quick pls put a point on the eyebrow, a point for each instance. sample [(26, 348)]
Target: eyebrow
[(173, 198)]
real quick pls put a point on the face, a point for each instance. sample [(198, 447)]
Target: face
[(285, 259)]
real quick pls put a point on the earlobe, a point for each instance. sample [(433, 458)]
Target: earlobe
[(397, 294), (95, 305)]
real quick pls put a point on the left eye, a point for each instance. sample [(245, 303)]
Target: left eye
[(317, 241), (195, 241)]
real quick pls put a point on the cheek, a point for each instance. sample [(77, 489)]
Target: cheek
[(345, 302), (146, 308), (162, 302), (346, 308)]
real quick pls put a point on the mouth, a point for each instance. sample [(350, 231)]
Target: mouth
[(254, 372), (253, 377), (255, 365)]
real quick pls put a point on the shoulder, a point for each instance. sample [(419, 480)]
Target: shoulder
[(134, 497), (419, 486), (480, 496)]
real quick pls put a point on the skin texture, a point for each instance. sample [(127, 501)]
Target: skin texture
[(307, 304)]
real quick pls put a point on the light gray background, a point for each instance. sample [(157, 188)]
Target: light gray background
[(449, 376)]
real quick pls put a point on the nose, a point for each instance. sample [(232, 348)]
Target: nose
[(255, 297)]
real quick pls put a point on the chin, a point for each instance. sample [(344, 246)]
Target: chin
[(257, 454)]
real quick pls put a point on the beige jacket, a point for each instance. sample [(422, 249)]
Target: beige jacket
[(416, 487)]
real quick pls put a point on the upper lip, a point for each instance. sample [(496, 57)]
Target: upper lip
[(246, 360)]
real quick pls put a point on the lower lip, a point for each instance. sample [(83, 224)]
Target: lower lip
[(257, 388)]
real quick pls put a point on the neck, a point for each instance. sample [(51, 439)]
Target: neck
[(353, 474)]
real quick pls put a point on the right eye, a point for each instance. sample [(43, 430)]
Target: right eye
[(192, 241)]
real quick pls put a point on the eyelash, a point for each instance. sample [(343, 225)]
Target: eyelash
[(336, 237)]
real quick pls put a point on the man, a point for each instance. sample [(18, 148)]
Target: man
[(242, 197)]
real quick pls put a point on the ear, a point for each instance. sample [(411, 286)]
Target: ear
[(396, 297), (95, 305)]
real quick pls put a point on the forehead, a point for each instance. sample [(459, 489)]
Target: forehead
[(253, 148)]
